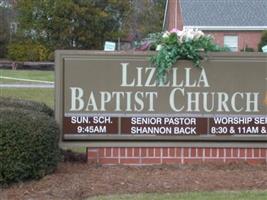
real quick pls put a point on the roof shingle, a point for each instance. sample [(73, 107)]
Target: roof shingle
[(224, 12)]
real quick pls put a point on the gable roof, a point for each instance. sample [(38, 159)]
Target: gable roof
[(215, 14)]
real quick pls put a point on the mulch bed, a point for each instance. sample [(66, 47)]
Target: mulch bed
[(78, 180)]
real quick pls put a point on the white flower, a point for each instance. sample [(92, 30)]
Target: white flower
[(158, 47), (166, 34), (190, 35), (198, 34), (187, 34)]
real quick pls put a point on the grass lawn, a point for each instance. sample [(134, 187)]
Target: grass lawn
[(246, 195), (34, 94), (26, 74), (7, 81)]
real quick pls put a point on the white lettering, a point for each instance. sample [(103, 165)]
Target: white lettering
[(77, 102), (172, 99)]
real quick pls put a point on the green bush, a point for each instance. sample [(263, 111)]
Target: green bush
[(28, 51), (28, 144), (263, 41), (27, 105)]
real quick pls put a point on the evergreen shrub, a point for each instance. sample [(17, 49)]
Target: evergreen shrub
[(28, 142)]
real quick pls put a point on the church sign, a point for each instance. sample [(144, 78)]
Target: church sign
[(115, 98)]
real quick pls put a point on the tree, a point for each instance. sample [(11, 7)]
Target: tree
[(5, 19), (146, 17), (72, 24), (3, 32)]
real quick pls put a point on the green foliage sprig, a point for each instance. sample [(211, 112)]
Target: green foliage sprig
[(178, 45)]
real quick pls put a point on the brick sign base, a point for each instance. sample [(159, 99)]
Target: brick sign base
[(174, 155)]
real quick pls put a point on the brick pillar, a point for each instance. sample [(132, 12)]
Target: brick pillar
[(174, 15)]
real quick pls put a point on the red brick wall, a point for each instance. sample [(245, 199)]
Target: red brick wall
[(173, 155), (249, 38)]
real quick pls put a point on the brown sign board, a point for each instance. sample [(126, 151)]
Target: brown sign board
[(115, 99)]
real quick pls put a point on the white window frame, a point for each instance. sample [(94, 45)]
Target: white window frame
[(231, 41)]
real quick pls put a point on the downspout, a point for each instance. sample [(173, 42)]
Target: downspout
[(165, 15)]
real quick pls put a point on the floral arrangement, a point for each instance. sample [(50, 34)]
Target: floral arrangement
[(175, 45)]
